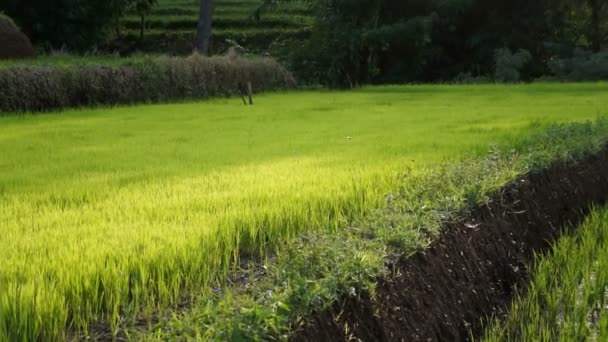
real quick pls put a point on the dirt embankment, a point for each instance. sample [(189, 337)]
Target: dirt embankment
[(473, 270)]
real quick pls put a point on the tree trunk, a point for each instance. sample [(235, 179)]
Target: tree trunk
[(596, 33), (142, 28), (203, 34)]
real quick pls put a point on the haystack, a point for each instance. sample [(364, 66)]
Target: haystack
[(13, 43)]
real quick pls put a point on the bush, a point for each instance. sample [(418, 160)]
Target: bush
[(509, 65), (77, 24), (13, 43), (582, 66), (468, 78), (44, 88)]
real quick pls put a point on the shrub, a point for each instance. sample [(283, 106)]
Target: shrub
[(509, 65), (582, 66), (77, 24), (44, 88), (468, 78), (13, 43)]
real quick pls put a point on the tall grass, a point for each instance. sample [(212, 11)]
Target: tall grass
[(108, 214), (568, 297)]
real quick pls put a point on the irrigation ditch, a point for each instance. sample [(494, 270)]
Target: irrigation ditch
[(477, 266)]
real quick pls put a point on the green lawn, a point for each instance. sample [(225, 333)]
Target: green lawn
[(111, 210)]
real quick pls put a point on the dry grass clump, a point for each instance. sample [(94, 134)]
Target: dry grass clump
[(44, 88)]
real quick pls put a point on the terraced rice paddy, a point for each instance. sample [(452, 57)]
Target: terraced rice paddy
[(171, 25), (108, 212)]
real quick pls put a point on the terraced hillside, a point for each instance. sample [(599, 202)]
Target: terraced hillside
[(171, 26)]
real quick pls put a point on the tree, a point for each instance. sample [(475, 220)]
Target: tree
[(142, 8), (75, 24), (379, 41), (584, 23), (595, 35), (203, 35), (13, 43)]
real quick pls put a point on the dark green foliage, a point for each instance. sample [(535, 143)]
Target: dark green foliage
[(180, 42), (418, 40), (142, 8), (76, 24), (509, 65), (583, 65), (396, 41), (13, 43), (188, 22), (43, 88), (352, 41)]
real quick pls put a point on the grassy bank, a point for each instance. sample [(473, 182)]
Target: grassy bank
[(568, 297), (111, 213)]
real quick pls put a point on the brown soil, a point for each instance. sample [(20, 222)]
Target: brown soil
[(13, 43), (474, 269)]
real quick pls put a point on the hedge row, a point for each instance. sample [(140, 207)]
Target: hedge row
[(45, 88)]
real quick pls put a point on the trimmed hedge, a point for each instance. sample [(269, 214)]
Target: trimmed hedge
[(45, 88)]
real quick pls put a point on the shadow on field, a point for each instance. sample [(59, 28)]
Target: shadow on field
[(473, 270)]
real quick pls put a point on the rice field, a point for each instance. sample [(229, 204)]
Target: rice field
[(171, 25), (67, 60), (109, 212), (568, 297)]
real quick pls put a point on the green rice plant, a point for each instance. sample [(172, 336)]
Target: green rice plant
[(70, 60), (567, 299), (234, 22), (318, 268), (113, 215), (171, 26)]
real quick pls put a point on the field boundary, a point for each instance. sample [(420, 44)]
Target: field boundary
[(40, 88), (475, 268)]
